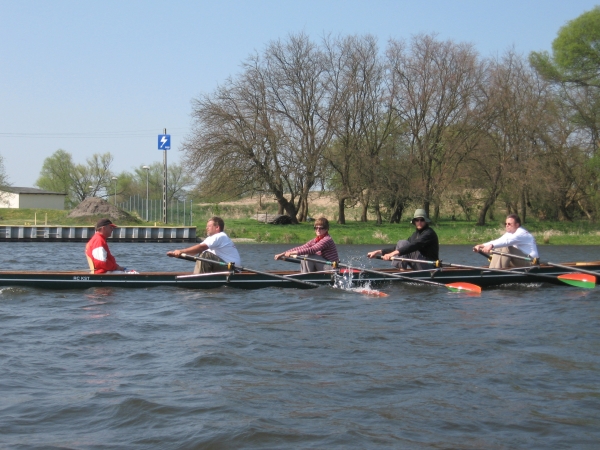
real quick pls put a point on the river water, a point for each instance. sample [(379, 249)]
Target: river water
[(424, 368)]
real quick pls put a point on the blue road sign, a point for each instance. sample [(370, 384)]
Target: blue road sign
[(164, 142)]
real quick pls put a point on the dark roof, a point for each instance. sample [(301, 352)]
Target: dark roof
[(28, 190)]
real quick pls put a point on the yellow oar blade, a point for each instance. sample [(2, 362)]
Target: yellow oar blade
[(464, 287), (581, 280)]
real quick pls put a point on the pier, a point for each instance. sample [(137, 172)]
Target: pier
[(45, 233)]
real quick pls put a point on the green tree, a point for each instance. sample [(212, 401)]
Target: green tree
[(574, 68), (3, 176), (575, 52), (179, 182), (56, 172), (4, 183), (60, 174)]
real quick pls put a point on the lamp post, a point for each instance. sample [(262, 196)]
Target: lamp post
[(115, 179), (147, 191)]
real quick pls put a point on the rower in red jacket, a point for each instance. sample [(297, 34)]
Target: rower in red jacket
[(98, 253)]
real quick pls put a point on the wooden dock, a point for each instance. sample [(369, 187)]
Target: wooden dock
[(44, 233)]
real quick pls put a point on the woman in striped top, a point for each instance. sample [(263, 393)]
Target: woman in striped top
[(321, 247)]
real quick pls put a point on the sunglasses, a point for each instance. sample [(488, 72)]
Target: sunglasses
[(508, 223), (320, 228), (419, 219)]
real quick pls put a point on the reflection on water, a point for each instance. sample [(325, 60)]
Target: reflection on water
[(516, 367)]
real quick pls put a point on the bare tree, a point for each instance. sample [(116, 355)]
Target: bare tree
[(305, 105), (267, 127), (499, 138), (364, 121), (436, 87), (96, 174), (237, 142)]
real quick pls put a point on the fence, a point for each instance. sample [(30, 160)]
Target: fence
[(178, 211)]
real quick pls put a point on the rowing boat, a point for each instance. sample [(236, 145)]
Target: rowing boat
[(287, 279)]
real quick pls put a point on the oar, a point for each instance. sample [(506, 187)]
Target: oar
[(580, 278), (454, 287), (360, 290), (485, 255), (571, 279), (439, 264), (232, 266)]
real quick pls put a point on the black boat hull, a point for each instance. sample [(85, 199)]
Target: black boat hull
[(249, 280)]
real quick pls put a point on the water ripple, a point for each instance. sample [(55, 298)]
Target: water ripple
[(326, 368)]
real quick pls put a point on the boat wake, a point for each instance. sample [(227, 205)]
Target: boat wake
[(346, 280)]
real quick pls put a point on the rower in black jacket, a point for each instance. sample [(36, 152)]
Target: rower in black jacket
[(423, 244)]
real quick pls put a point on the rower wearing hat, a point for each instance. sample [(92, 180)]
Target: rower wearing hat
[(99, 257), (423, 244)]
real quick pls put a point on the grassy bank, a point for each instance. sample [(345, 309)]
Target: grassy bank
[(449, 232), (239, 226)]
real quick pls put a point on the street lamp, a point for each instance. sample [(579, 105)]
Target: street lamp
[(147, 191), (115, 179)]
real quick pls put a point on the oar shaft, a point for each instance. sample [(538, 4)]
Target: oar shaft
[(536, 261), (231, 266), (298, 258), (375, 272), (573, 269), (486, 269), (452, 286), (459, 266), (422, 261)]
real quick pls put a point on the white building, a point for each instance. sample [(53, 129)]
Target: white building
[(24, 197)]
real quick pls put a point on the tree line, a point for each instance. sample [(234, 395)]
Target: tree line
[(422, 122), (96, 178)]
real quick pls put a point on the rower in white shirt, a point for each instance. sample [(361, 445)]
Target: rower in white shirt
[(516, 241)]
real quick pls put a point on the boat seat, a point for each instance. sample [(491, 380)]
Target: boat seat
[(90, 263), (89, 260)]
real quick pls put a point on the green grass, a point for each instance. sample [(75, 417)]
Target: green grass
[(353, 232), (51, 217), (449, 232)]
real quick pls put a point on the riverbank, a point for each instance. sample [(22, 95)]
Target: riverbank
[(449, 232), (245, 228)]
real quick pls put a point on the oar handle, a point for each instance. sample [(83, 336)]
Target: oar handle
[(485, 255)]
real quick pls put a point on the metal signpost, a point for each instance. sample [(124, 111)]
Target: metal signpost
[(147, 168), (164, 143)]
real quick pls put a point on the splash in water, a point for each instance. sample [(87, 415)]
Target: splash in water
[(348, 277)]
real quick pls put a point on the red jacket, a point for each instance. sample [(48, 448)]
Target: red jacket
[(97, 250)]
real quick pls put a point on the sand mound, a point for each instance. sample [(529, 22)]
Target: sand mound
[(96, 207)]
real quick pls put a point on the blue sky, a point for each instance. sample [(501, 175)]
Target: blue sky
[(97, 76)]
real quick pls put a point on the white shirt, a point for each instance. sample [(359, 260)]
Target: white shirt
[(521, 239), (223, 247)]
